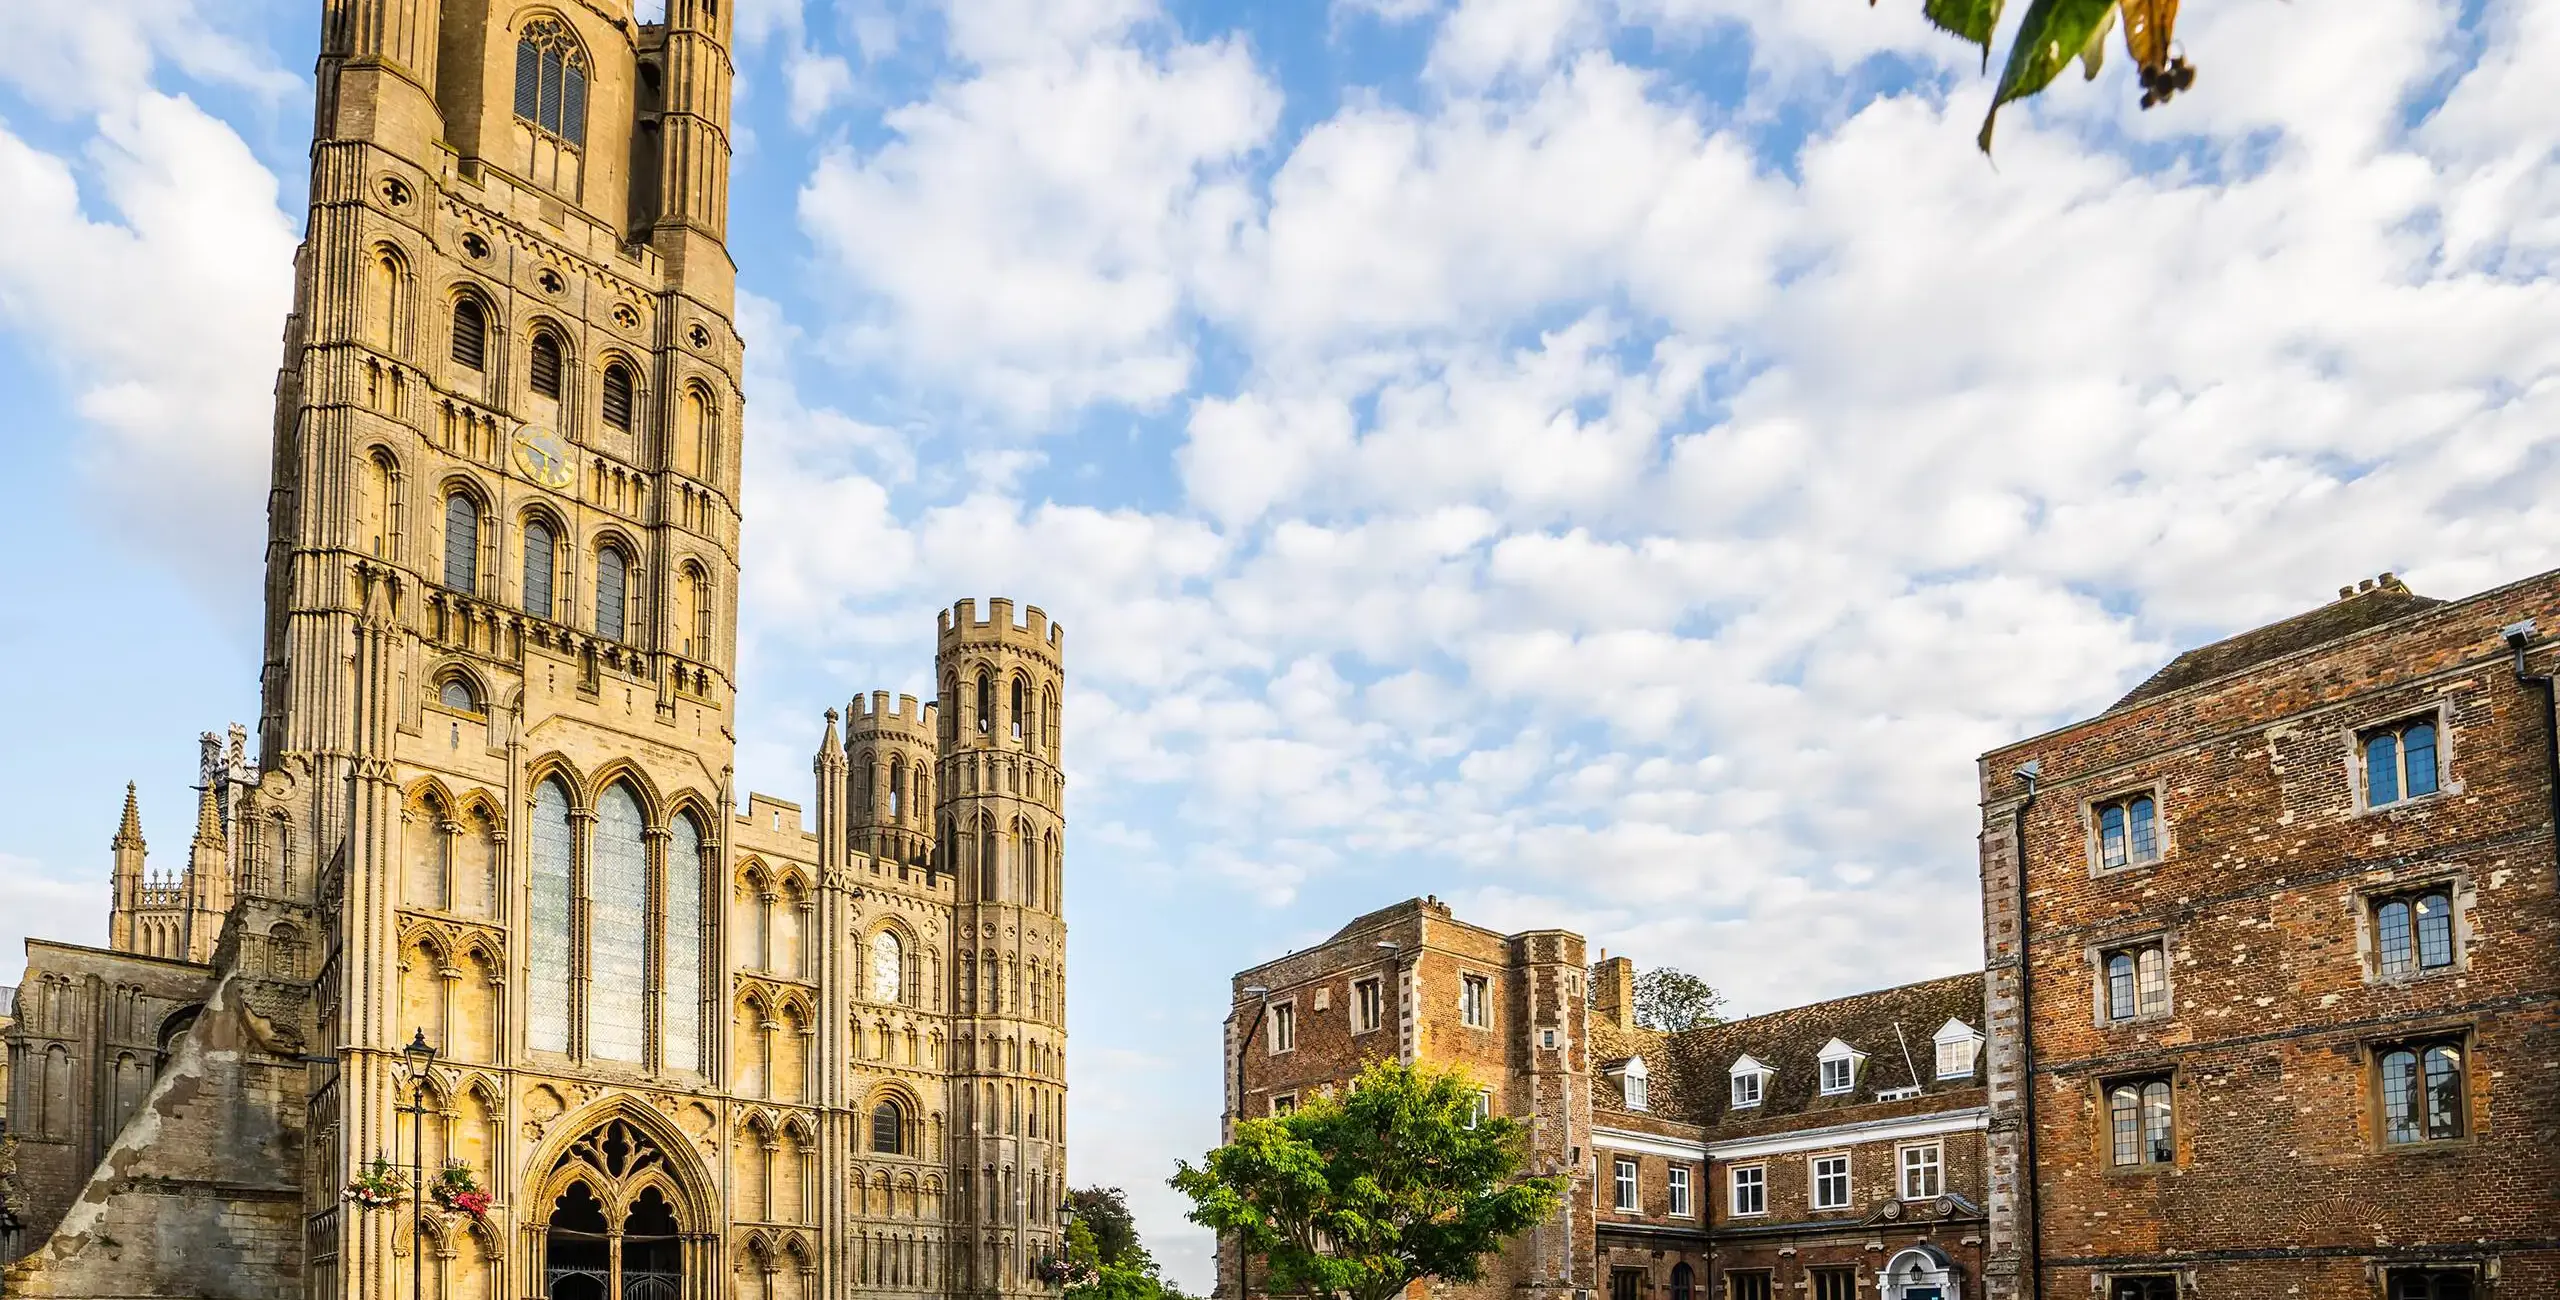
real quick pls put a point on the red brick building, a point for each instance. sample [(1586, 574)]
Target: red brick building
[(2277, 1009), (1852, 1130)]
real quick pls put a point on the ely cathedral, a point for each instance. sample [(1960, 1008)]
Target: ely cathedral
[(478, 896)]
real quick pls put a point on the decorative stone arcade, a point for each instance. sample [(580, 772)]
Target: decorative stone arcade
[(622, 1215)]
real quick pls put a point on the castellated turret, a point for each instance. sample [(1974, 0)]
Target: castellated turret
[(889, 753), (1000, 831)]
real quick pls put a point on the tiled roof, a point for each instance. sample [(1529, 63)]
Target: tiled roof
[(2351, 613), (1690, 1069)]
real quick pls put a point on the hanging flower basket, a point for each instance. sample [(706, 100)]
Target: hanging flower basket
[(1059, 1271), (378, 1187), (457, 1191)]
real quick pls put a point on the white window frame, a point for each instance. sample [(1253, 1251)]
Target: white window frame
[(1956, 1034), (1283, 1103), (1368, 1004), (1757, 1074), (1814, 1179), (1757, 1185), (1676, 1182), (1630, 1075), (1475, 1001), (1483, 1108), (1282, 1035), (1839, 1057), (1935, 1166), (1625, 1180)]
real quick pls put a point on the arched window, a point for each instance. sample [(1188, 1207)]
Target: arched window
[(461, 543), (693, 611), (617, 395), (696, 449), (987, 861), (470, 334), (551, 81), (540, 560), (1018, 719), (897, 786), (1684, 1282), (889, 1128), (456, 694), (385, 284), (612, 589), (986, 702), (547, 946), (375, 505), (681, 1015), (617, 889), (545, 370)]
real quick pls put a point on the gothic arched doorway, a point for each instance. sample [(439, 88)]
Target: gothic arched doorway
[(618, 1224)]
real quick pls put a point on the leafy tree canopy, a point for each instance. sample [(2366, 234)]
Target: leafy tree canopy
[(1672, 1000), (1360, 1195), (1104, 1213)]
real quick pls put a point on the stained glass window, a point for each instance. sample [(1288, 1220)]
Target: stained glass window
[(547, 933), (888, 965), (681, 1017), (617, 935)]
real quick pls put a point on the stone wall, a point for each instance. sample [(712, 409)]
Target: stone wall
[(200, 1195)]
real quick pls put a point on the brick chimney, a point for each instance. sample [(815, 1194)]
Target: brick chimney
[(1613, 991)]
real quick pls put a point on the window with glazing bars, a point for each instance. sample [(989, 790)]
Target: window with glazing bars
[(1835, 1284), (2432, 1284), (2137, 981), (2150, 1286), (551, 81), (1473, 1004), (1746, 1286), (461, 543), (2422, 1093), (2399, 763), (2414, 932), (1625, 1170), (2141, 1119), (2128, 831), (1750, 1194), (1368, 1005), (1831, 1182)]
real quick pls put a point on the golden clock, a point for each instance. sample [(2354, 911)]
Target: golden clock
[(543, 458)]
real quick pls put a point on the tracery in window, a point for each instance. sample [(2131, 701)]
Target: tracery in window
[(547, 943), (551, 81)]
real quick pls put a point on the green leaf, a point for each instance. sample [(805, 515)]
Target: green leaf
[(1971, 20), (2094, 54), (2053, 33)]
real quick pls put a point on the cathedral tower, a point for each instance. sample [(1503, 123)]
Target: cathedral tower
[(890, 750), (1000, 821)]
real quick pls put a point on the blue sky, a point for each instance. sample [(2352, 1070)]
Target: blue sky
[(1609, 463)]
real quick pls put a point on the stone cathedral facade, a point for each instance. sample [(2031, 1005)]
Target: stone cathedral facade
[(692, 1052)]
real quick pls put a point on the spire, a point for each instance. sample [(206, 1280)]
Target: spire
[(829, 747), (209, 817), (128, 831)]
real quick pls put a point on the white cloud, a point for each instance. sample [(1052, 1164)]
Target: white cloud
[(163, 314)]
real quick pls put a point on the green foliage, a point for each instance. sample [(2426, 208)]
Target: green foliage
[(1360, 1195), (2054, 32), (1104, 1213), (1672, 1000)]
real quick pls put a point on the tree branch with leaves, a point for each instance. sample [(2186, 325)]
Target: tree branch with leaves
[(1362, 1194), (2054, 32)]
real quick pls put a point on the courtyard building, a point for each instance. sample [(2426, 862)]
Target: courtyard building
[(478, 888)]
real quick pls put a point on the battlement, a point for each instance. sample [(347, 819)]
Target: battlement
[(960, 625), (876, 715)]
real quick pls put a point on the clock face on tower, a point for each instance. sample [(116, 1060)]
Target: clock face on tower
[(543, 458), (886, 966)]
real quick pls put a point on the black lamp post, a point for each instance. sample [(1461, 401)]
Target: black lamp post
[(421, 1055)]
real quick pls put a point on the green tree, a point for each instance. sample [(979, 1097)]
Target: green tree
[(1672, 1000), (1104, 1212), (1360, 1195)]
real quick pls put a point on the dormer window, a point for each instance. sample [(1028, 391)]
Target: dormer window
[(1958, 1047), (1839, 1068), (1629, 1075), (1750, 1082)]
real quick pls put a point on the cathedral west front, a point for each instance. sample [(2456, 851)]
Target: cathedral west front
[(479, 893)]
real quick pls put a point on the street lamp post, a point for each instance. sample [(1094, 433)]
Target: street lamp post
[(421, 1057)]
